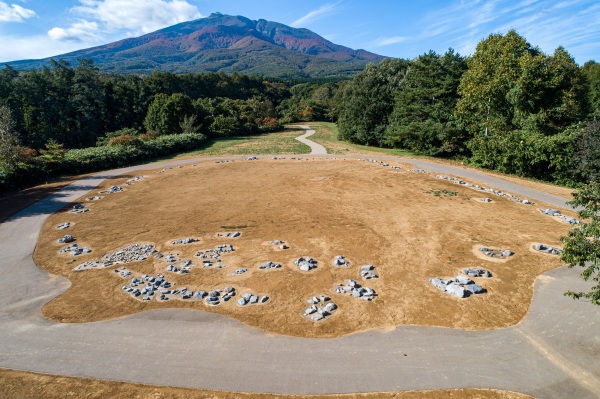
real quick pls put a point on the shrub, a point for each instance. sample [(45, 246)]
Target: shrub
[(126, 140)]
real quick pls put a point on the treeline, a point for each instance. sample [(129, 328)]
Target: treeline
[(509, 107), (76, 105), (73, 119)]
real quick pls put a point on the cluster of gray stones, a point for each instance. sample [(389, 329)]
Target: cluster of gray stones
[(79, 208), (280, 244), (164, 170), (556, 213), (113, 190), (306, 264), (497, 253), (75, 250), (229, 234), (239, 272), (487, 190), (95, 198), (128, 254), (547, 249), (462, 286), (368, 272), (270, 265), (189, 240), (252, 159), (66, 239), (222, 161), (341, 261), (321, 307), (133, 180), (385, 164), (356, 290), (64, 226), (251, 299)]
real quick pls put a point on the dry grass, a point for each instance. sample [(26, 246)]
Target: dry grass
[(24, 385), (365, 212)]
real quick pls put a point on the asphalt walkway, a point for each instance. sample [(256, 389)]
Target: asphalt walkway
[(552, 353)]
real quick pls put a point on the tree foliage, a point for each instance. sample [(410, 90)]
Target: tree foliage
[(582, 244), (422, 119), (10, 148), (368, 101)]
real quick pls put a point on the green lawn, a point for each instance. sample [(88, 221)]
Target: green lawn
[(327, 135), (283, 142)]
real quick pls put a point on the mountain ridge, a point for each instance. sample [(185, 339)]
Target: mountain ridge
[(223, 43)]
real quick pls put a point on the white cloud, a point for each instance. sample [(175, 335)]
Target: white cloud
[(34, 47), (82, 31), (99, 18), (388, 41), (14, 13), (315, 15), (142, 16)]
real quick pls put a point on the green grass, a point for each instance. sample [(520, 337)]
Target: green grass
[(283, 142), (327, 135)]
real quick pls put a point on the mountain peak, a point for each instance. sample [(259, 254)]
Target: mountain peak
[(227, 43)]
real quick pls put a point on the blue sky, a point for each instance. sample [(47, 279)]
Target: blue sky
[(396, 28)]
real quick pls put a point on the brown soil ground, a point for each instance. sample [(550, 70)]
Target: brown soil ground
[(368, 213), (24, 385)]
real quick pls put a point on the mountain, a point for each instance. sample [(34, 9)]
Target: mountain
[(224, 43)]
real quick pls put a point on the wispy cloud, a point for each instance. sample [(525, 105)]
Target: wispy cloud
[(315, 15), (14, 13), (574, 24), (388, 41)]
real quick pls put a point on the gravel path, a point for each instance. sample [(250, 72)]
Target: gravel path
[(552, 353), (315, 149)]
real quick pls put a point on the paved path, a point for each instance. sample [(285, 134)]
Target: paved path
[(552, 353), (315, 148)]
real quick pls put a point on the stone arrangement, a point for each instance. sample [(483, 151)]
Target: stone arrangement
[(63, 226), (222, 161), (485, 199), (95, 198), (474, 272), (79, 208), (356, 290), (252, 159), (556, 213), (239, 272), (189, 240), (112, 190), (216, 252), (485, 189), (270, 265), (66, 239), (75, 250), (497, 253), (234, 234), (418, 171), (251, 299), (133, 180), (321, 307), (306, 264), (547, 249), (459, 286), (368, 272), (279, 243), (128, 254), (164, 170), (341, 261)]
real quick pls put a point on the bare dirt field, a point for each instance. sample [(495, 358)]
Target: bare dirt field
[(24, 385), (370, 214)]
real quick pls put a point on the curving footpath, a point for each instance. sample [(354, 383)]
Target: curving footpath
[(552, 353), (315, 148)]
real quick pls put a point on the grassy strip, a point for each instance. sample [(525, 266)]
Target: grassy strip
[(271, 143), (327, 135)]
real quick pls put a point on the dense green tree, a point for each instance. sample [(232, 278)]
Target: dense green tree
[(10, 148), (88, 103), (586, 160), (582, 244), (165, 113), (591, 69), (422, 119), (512, 85)]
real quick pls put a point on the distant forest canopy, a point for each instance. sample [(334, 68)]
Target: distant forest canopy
[(508, 107)]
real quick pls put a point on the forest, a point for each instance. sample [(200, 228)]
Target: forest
[(509, 107)]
